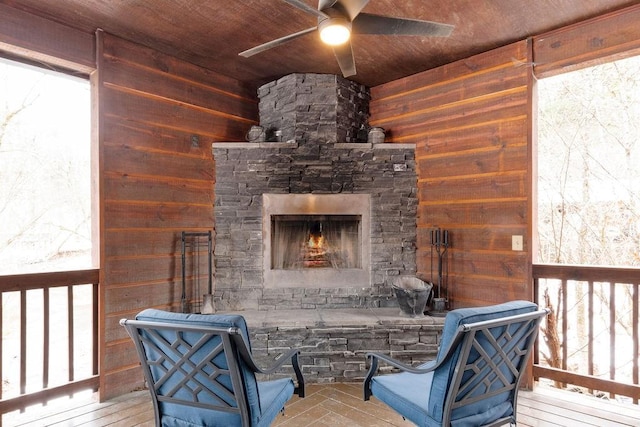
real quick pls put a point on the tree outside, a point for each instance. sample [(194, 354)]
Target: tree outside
[(589, 201), (45, 176), (45, 212), (588, 157)]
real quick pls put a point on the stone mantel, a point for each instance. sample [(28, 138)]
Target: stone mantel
[(277, 145)]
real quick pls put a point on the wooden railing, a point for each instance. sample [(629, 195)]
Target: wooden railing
[(49, 324), (596, 310)]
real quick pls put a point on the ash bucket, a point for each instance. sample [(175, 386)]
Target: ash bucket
[(412, 294)]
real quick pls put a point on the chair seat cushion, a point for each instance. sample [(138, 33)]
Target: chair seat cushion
[(273, 395), (407, 394), (490, 415), (184, 416)]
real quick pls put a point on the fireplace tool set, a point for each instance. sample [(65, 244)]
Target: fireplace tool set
[(440, 242), (194, 241)]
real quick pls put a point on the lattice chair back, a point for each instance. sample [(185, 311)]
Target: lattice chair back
[(475, 377), (197, 370), (486, 368)]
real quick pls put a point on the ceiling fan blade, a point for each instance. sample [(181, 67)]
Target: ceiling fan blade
[(303, 6), (277, 42), (366, 23), (344, 55), (326, 4), (351, 7)]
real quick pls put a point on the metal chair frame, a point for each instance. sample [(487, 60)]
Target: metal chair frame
[(203, 376), (479, 370)]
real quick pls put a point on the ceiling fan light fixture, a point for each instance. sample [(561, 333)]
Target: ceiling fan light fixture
[(335, 31)]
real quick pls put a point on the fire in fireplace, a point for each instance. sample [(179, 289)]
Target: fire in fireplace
[(316, 240)]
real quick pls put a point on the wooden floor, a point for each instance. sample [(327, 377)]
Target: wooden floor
[(337, 405)]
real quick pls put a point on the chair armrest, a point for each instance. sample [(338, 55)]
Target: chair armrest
[(292, 355), (373, 368), (399, 365)]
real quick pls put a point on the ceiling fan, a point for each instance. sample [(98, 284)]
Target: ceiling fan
[(338, 19)]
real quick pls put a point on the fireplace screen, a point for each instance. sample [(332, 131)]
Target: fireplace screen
[(315, 241)]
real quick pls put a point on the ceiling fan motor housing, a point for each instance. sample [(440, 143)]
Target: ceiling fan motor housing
[(334, 31)]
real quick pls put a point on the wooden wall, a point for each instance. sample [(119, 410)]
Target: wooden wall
[(54, 44), (157, 119), (470, 123), (608, 37)]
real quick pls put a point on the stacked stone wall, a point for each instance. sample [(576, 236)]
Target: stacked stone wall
[(314, 107), (338, 354), (245, 171)]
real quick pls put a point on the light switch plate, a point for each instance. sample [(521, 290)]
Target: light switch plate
[(517, 243)]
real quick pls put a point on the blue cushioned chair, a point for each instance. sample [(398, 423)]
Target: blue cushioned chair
[(200, 372), (475, 377)]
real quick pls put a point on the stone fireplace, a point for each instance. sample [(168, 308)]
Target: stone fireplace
[(321, 220)]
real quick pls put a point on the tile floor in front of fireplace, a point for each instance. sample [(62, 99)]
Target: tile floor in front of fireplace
[(339, 405)]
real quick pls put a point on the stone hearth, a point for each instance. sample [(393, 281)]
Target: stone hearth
[(333, 343)]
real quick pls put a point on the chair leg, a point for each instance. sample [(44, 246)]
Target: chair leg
[(373, 368)]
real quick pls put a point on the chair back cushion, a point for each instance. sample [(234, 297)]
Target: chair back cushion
[(219, 381), (498, 406)]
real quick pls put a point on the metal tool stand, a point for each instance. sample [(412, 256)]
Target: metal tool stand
[(195, 241), (440, 241)]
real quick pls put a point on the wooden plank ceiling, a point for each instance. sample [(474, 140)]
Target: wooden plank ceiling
[(212, 33)]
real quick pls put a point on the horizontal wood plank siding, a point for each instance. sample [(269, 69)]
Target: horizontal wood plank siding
[(158, 117), (612, 36), (470, 123), (52, 43)]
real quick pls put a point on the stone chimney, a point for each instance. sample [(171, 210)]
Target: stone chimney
[(314, 108)]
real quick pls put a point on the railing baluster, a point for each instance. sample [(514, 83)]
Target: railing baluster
[(70, 330), (23, 341), (95, 329), (45, 337), (612, 334), (565, 325), (635, 320), (536, 299), (1, 346), (590, 330)]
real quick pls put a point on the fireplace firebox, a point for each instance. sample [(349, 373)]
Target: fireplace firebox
[(316, 240)]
